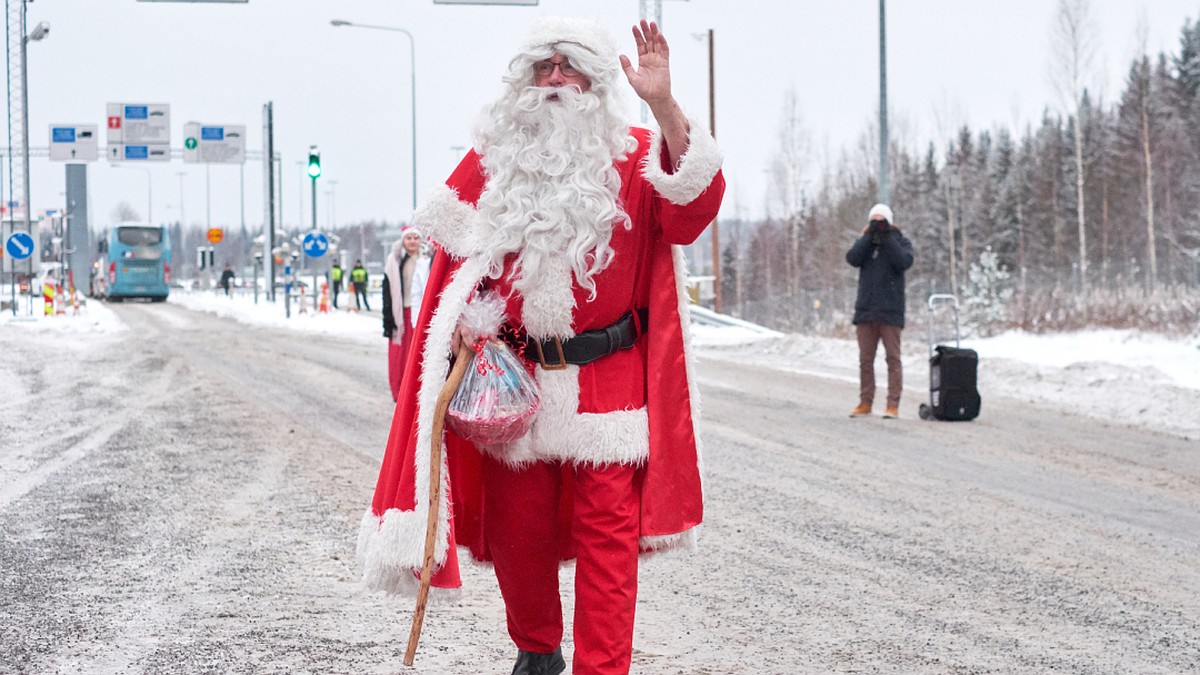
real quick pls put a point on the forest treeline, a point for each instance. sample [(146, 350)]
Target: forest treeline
[(996, 218)]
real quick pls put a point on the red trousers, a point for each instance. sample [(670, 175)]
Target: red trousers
[(397, 353), (521, 520), (869, 337)]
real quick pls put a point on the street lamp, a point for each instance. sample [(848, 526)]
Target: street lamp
[(149, 190), (412, 52), (39, 32)]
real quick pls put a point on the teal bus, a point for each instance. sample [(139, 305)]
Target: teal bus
[(136, 263)]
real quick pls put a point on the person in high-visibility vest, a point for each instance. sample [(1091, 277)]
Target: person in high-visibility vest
[(358, 277), (335, 276)]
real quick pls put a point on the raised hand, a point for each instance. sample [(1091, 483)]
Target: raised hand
[(651, 80)]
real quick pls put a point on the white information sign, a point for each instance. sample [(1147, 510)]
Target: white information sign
[(139, 131), (74, 142), (214, 143)]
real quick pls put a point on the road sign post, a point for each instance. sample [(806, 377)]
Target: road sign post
[(19, 246)]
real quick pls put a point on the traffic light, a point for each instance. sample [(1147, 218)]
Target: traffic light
[(314, 162)]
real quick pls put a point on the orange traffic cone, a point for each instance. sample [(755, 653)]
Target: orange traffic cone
[(60, 307), (74, 295), (323, 308)]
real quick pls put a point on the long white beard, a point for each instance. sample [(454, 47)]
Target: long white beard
[(552, 189)]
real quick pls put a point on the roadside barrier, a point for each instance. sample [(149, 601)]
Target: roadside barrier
[(303, 306), (323, 308), (48, 299)]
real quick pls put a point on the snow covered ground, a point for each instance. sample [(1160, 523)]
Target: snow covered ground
[(1124, 377)]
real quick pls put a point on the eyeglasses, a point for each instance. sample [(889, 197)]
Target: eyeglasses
[(545, 68)]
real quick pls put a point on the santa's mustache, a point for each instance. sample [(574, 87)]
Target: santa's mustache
[(534, 99)]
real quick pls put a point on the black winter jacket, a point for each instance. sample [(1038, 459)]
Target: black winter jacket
[(881, 269)]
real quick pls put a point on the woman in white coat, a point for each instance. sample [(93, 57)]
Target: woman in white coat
[(404, 277)]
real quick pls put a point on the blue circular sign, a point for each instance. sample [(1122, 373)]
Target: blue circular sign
[(315, 244), (19, 245)]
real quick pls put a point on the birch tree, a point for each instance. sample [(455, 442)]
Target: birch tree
[(1073, 41)]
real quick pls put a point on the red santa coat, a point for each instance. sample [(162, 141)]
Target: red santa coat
[(638, 406)]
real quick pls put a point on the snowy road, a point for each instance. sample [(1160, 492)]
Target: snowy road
[(184, 496)]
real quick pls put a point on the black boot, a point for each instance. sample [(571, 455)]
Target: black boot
[(532, 663)]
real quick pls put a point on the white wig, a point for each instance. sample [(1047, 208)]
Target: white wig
[(550, 167)]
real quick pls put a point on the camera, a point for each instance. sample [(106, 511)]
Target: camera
[(879, 229)]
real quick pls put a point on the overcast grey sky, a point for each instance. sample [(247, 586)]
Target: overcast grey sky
[(347, 89)]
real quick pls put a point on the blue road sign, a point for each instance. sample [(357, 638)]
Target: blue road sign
[(315, 244), (19, 245)]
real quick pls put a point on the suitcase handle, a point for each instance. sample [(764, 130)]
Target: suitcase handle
[(934, 300)]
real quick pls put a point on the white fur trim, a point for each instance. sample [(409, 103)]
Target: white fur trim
[(386, 550), (449, 221), (561, 432), (681, 541), (696, 169), (589, 34)]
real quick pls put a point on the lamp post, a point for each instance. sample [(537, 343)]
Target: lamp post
[(712, 126), (412, 54), (39, 32), (182, 215), (149, 189)]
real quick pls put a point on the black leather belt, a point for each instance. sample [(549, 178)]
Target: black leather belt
[(588, 346)]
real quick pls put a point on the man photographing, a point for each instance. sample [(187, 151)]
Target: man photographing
[(575, 220), (881, 254)]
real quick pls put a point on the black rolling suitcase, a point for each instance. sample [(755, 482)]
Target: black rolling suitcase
[(953, 391)]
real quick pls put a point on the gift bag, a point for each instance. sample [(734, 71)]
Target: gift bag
[(496, 402)]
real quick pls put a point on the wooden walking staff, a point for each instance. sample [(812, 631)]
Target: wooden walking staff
[(463, 359)]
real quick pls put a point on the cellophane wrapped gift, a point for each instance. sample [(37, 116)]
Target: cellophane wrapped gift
[(496, 402)]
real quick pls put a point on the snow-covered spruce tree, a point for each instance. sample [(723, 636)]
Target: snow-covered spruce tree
[(987, 295)]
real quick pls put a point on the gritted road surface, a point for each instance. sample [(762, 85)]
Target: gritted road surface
[(184, 497)]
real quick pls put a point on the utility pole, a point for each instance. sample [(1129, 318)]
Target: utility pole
[(712, 125), (885, 190)]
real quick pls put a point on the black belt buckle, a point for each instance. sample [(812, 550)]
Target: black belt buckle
[(562, 359)]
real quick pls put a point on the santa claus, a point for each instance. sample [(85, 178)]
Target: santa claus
[(575, 220)]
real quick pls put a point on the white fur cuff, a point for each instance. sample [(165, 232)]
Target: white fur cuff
[(447, 220), (696, 170)]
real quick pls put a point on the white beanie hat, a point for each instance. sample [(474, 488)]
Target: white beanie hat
[(881, 210)]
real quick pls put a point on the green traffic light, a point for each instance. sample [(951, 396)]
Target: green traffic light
[(314, 164)]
